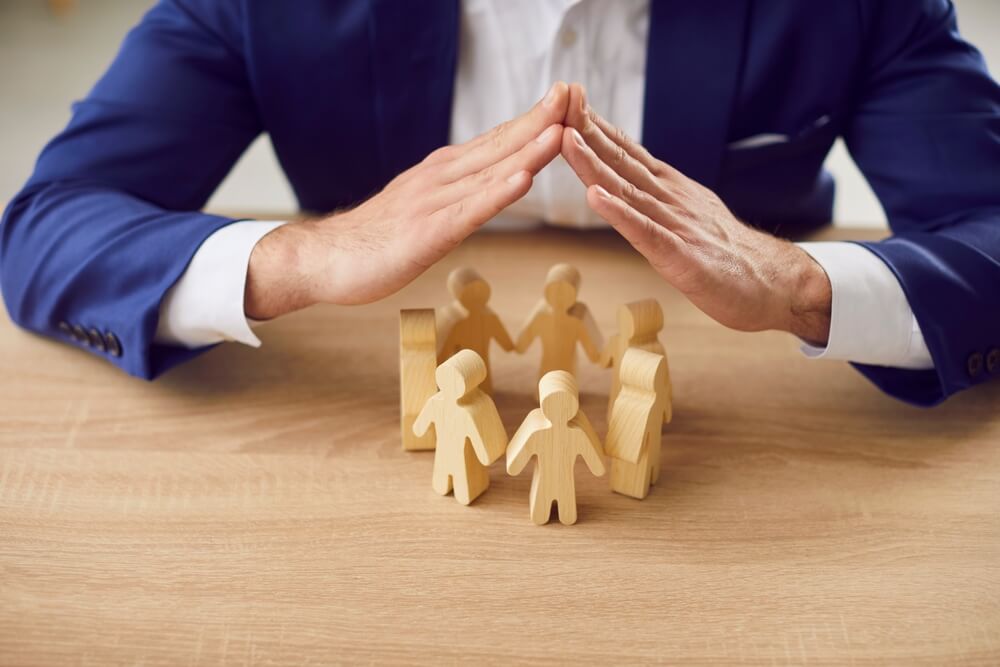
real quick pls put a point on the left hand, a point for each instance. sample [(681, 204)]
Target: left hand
[(741, 277)]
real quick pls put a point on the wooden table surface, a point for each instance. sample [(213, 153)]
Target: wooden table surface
[(254, 506)]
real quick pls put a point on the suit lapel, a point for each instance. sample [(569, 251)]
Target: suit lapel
[(693, 66), (415, 51)]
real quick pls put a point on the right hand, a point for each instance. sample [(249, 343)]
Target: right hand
[(371, 251)]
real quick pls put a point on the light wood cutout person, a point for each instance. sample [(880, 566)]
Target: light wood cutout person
[(634, 432), (555, 434), (561, 323), (469, 433), (468, 323), (639, 325)]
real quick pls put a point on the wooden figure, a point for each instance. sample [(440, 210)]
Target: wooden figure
[(467, 426), (555, 434), (417, 364), (639, 325), (637, 418), (468, 323), (561, 322)]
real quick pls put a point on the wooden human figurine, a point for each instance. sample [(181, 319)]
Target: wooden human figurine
[(562, 323), (556, 433), (639, 325), (468, 323), (467, 426), (417, 363), (636, 424)]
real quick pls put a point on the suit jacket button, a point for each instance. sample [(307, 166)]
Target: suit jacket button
[(993, 360), (66, 329), (975, 364), (113, 346), (95, 339), (79, 335)]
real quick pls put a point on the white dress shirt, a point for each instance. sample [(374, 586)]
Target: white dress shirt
[(510, 52)]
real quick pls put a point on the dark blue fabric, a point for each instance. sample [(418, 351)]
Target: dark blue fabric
[(353, 92)]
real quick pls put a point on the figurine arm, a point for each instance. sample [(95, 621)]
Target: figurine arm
[(522, 445), (590, 335), (501, 335), (608, 353), (528, 333), (589, 445), (424, 419)]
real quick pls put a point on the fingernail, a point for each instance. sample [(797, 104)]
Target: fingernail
[(578, 138), (550, 97), (546, 135), (601, 192)]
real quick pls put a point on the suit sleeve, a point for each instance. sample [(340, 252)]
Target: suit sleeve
[(925, 132), (109, 219)]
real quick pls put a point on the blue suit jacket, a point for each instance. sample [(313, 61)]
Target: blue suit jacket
[(354, 91)]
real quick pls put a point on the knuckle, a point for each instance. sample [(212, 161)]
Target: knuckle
[(456, 210), (629, 192), (620, 158), (486, 174), (498, 136), (619, 136)]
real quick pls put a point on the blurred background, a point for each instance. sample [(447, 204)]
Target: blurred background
[(52, 51)]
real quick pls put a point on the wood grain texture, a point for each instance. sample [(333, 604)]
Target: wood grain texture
[(417, 364), (255, 506)]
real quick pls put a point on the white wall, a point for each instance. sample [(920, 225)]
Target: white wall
[(46, 62)]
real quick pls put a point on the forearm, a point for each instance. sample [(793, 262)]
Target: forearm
[(80, 257), (280, 277)]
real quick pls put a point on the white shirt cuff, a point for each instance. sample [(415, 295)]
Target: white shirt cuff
[(871, 321), (205, 306)]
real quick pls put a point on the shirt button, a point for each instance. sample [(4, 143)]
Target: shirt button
[(113, 346), (568, 37), (79, 335), (993, 360), (95, 339), (975, 364), (66, 329)]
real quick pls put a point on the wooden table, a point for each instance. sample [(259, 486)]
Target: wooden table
[(255, 506)]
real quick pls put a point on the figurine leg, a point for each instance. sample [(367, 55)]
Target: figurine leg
[(567, 510), (475, 478), (539, 504), (441, 481)]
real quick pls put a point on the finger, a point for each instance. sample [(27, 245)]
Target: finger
[(656, 243), (532, 157), (591, 124), (455, 222), (506, 138), (594, 171)]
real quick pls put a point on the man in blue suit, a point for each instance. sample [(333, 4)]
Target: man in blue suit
[(735, 103)]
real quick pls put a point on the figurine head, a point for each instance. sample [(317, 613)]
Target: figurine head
[(469, 288), (640, 319), (460, 374), (560, 398), (561, 286)]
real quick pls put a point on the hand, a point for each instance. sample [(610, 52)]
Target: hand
[(739, 276), (371, 251)]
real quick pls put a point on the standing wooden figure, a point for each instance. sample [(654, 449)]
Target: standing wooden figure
[(468, 323), (556, 433), (639, 325), (468, 430), (562, 323), (417, 364), (637, 417)]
